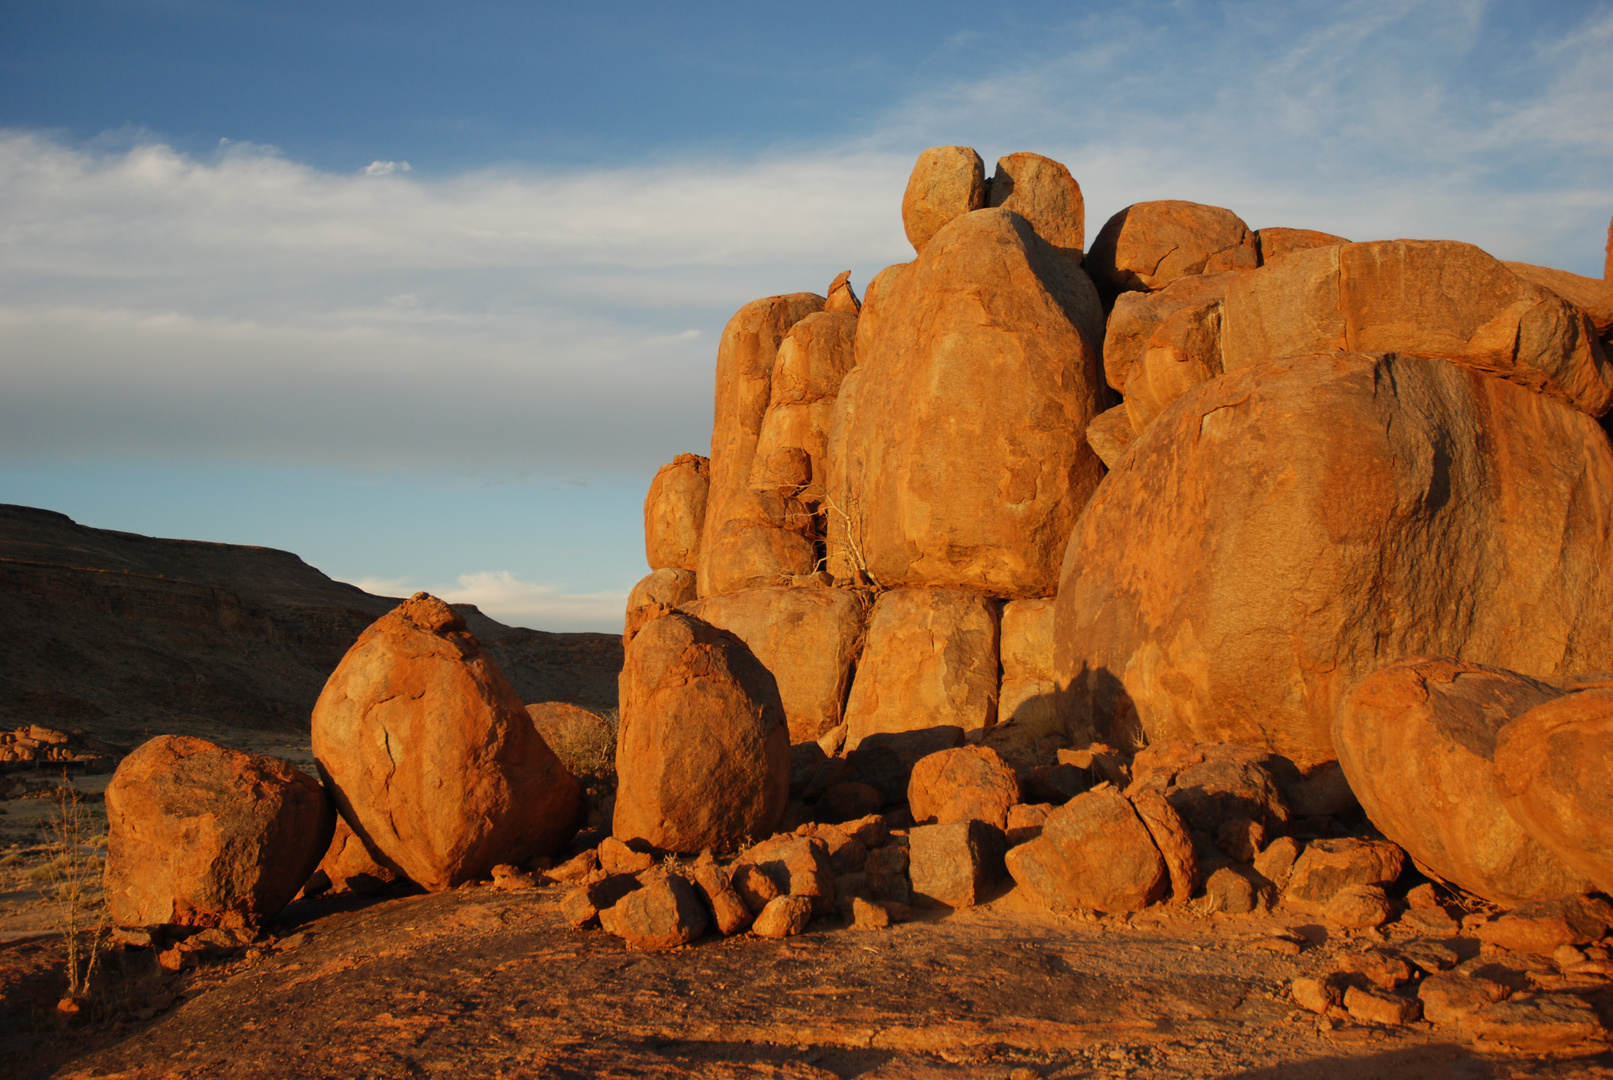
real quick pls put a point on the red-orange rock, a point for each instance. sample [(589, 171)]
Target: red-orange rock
[(1544, 926), (798, 865), (1170, 834), (1095, 853), (655, 595), (664, 914), (1431, 298), (703, 753), (967, 461), (766, 537), (930, 660), (1417, 741), (351, 867), (1182, 352), (1043, 192), (955, 864), (675, 512), (1110, 433), (1028, 695), (841, 296), (946, 182), (1137, 316), (1274, 243), (969, 783), (735, 540), (812, 359), (1148, 245), (200, 835), (1593, 296), (432, 758), (1229, 582), (807, 638), (1554, 774)]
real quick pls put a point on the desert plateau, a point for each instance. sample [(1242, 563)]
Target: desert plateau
[(1180, 651)]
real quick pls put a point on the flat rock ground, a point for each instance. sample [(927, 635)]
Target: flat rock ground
[(480, 982)]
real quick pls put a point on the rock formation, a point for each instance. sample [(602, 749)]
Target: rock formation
[(432, 758)]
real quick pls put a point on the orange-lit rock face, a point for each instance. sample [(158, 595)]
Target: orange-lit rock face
[(201, 835), (1283, 531), (675, 513), (430, 753), (1148, 245)]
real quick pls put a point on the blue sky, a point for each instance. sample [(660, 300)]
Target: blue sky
[(425, 292)]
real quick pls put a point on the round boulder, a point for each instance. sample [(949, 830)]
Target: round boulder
[(200, 835), (968, 783), (431, 756)]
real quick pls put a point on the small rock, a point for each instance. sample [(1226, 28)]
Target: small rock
[(1541, 927), (1326, 866), (662, 915), (1025, 822), (1567, 956), (1318, 995), (756, 888), (511, 878), (583, 904), (1358, 907), (1536, 1022), (1423, 898), (728, 908), (1094, 853), (799, 865), (1374, 1007), (1241, 838), (1431, 956), (870, 830), (1170, 835), (847, 854), (576, 868), (886, 870), (1435, 922), (784, 916), (1232, 890), (137, 937), (867, 915), (1276, 862), (1450, 996), (955, 864), (1380, 967), (616, 857)]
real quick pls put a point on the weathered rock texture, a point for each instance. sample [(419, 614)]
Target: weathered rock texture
[(1554, 774), (931, 659), (1282, 531), (1043, 192), (968, 783), (200, 835), (432, 758), (1138, 316), (1417, 741), (655, 595), (703, 752), (1028, 695), (1274, 243), (807, 638), (947, 182), (1432, 298), (811, 361), (675, 513), (1095, 853), (1148, 245), (740, 546), (1110, 434), (969, 462), (1593, 296)]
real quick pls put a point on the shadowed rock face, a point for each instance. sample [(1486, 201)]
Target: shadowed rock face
[(431, 756), (200, 835), (1284, 530), (113, 633)]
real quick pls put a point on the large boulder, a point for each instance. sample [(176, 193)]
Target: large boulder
[(1593, 296), (967, 460), (930, 660), (1431, 298), (1282, 531), (811, 361), (1148, 245), (1417, 741), (1554, 774), (1029, 693), (764, 537), (675, 512), (807, 638), (736, 538), (1094, 853), (1043, 192), (703, 752), (200, 835), (432, 758), (946, 182)]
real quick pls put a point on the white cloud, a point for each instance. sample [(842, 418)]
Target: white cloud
[(385, 168), (504, 597)]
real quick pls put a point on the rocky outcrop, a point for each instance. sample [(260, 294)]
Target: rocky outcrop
[(675, 513), (703, 751), (1148, 245), (1429, 298), (1418, 742), (1284, 530), (812, 360), (200, 835), (971, 407), (432, 758)]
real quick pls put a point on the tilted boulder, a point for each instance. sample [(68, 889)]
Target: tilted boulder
[(737, 547), (1554, 774), (703, 753), (1094, 853), (1280, 532), (675, 512), (432, 758), (1148, 245), (1430, 298), (1418, 742), (1043, 192), (1184, 351), (1110, 435), (200, 835), (812, 359), (946, 182), (841, 296), (807, 638), (767, 537), (968, 461), (930, 661)]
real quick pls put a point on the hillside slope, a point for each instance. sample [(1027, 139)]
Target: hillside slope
[(114, 633)]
